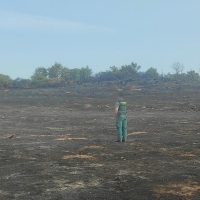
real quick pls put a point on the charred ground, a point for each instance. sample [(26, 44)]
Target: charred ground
[(59, 143)]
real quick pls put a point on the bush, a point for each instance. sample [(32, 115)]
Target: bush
[(5, 81), (21, 83)]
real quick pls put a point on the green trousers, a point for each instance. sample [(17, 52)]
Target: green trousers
[(121, 124)]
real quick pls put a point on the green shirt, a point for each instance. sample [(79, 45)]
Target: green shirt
[(121, 105)]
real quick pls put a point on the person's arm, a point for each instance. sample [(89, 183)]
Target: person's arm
[(116, 111)]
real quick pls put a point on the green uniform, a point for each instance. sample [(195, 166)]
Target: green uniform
[(121, 121)]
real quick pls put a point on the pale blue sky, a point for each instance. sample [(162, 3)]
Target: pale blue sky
[(98, 33)]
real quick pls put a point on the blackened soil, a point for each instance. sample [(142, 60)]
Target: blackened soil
[(60, 143)]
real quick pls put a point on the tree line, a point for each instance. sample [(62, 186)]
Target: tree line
[(57, 75)]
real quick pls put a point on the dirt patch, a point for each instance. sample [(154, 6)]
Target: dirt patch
[(62, 185), (88, 105), (41, 135), (78, 157), (136, 133), (69, 138), (183, 190), (95, 147), (92, 147), (188, 155)]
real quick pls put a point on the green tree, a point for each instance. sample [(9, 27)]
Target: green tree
[(130, 70), (65, 73), (193, 76), (85, 72), (55, 70), (5, 81), (40, 73), (114, 69), (152, 73), (75, 74)]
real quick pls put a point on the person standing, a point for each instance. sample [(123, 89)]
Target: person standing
[(121, 118)]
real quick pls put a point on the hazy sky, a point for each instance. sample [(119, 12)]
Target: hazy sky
[(98, 33)]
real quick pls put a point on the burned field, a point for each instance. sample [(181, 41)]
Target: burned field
[(60, 143)]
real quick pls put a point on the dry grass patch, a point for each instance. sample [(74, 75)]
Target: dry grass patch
[(136, 133), (70, 138), (188, 155), (62, 185), (95, 165), (61, 139), (88, 105), (133, 88), (11, 137), (123, 172), (186, 191), (41, 135), (95, 147), (119, 89), (78, 157)]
